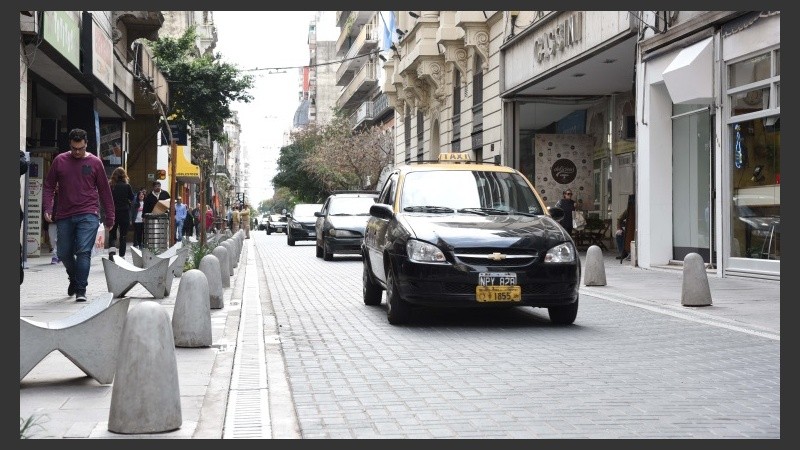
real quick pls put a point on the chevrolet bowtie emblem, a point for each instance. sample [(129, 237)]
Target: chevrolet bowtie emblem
[(496, 256)]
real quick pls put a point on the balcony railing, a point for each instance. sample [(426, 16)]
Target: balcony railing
[(362, 114), (364, 80), (365, 42), (380, 105)]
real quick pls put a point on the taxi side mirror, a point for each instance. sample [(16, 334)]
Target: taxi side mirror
[(555, 212), (381, 211)]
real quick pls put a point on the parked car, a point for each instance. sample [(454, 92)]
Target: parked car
[(460, 234), (300, 222), (262, 222), (341, 222), (276, 223)]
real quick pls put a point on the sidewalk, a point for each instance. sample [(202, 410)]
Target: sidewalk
[(72, 405)]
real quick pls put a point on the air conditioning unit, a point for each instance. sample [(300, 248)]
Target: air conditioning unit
[(46, 132)]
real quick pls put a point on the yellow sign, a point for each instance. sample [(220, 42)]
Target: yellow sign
[(454, 157), (186, 171)]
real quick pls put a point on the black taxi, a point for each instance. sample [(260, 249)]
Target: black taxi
[(455, 233)]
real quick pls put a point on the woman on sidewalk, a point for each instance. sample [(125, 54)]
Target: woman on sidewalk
[(123, 195)]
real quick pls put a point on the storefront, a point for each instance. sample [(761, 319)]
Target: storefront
[(567, 85), (710, 110)]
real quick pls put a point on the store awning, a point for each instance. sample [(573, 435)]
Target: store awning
[(185, 170), (689, 77)]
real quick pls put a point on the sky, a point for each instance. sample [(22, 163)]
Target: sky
[(261, 40)]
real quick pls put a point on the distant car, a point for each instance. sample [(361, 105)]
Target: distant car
[(460, 234), (301, 222), (276, 223), (341, 222), (262, 222)]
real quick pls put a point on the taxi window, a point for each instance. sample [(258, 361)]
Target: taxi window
[(458, 189)]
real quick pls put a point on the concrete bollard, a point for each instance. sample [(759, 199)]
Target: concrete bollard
[(209, 265), (225, 273), (146, 395), (191, 318), (231, 247), (231, 264), (695, 290), (594, 273)]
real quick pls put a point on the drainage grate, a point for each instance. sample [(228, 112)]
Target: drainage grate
[(247, 416)]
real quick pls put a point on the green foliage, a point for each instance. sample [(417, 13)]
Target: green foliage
[(202, 87), (29, 427), (292, 173), (196, 253)]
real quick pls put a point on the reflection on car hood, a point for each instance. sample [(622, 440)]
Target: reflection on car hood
[(355, 223), (468, 230)]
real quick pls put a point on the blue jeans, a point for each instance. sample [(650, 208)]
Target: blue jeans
[(178, 230), (76, 235)]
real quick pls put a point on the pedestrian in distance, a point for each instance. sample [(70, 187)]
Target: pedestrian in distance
[(235, 219), (244, 216), (123, 195), (229, 219), (180, 217), (82, 188), (137, 214), (188, 225), (156, 194), (209, 219), (197, 220), (567, 204)]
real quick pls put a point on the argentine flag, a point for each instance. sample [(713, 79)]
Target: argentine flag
[(388, 26)]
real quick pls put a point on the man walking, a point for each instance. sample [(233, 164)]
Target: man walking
[(82, 187), (154, 197), (180, 217)]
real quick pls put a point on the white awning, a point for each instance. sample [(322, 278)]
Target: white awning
[(689, 77)]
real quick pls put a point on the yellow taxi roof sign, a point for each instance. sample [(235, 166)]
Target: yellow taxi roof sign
[(454, 157)]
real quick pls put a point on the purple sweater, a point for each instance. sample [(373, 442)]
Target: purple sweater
[(82, 182)]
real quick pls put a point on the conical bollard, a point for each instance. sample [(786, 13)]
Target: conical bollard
[(231, 246), (222, 255), (146, 395), (594, 273), (191, 318), (695, 290), (209, 265)]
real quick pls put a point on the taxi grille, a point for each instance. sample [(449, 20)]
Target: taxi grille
[(491, 257)]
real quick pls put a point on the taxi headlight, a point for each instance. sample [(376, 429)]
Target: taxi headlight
[(562, 253), (424, 252)]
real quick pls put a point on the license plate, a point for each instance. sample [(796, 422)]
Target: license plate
[(498, 287), (498, 293), (497, 279)]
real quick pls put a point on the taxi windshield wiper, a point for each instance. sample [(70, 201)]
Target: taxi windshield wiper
[(484, 211), (427, 208)]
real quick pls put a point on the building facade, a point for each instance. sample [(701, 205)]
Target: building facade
[(709, 86), (84, 69)]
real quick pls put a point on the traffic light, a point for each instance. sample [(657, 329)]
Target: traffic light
[(161, 174)]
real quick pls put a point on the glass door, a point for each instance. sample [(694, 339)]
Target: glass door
[(691, 181)]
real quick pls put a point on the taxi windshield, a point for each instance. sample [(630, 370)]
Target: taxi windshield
[(468, 190)]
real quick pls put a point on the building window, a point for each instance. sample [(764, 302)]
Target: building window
[(477, 106), (456, 142), (753, 88), (407, 135), (420, 131)]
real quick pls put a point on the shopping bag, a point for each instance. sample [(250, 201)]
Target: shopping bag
[(99, 240), (578, 220)]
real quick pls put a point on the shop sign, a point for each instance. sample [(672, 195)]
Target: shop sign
[(102, 56), (563, 171), (61, 30), (34, 212), (564, 34)]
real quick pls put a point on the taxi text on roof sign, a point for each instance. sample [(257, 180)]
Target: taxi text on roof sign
[(443, 157)]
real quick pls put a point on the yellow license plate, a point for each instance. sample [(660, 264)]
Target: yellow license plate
[(498, 293)]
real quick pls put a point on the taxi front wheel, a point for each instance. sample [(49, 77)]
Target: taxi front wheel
[(563, 315), (398, 311)]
